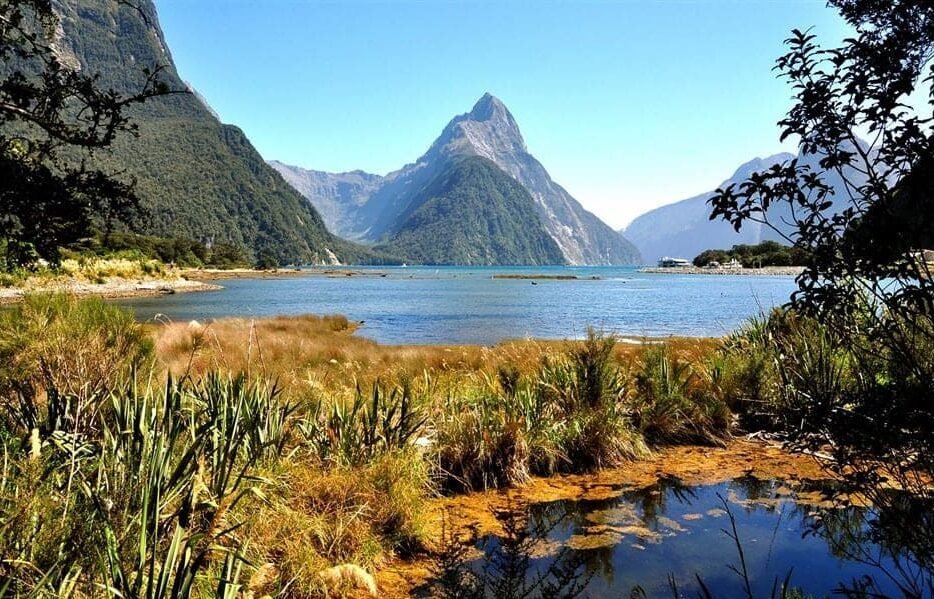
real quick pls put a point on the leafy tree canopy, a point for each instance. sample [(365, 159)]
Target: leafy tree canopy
[(53, 119), (866, 281), (767, 253), (858, 241)]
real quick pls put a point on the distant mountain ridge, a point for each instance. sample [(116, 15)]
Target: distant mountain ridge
[(337, 195), (370, 208), (683, 229)]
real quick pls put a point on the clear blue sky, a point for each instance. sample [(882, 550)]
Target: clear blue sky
[(628, 104)]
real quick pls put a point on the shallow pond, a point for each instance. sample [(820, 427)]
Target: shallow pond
[(644, 536)]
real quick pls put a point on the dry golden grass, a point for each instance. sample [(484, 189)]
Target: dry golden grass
[(88, 270), (317, 353), (317, 516), (96, 269)]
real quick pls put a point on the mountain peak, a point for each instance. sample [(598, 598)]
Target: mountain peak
[(759, 164), (488, 130), (404, 208), (487, 107)]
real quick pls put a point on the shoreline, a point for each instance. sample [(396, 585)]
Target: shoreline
[(764, 271), (211, 274), (115, 288)]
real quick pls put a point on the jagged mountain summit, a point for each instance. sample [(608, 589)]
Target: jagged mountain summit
[(196, 177), (372, 209)]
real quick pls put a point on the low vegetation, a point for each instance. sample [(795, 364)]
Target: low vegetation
[(88, 269), (258, 456), (864, 401), (178, 251), (242, 456), (854, 389)]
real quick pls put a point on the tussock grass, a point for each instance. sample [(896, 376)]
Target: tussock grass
[(678, 401), (55, 344), (88, 269), (354, 432), (317, 516), (307, 351), (98, 270)]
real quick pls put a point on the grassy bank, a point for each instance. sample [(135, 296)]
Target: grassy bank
[(85, 269), (108, 277), (288, 457)]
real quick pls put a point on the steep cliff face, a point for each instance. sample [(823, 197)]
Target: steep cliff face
[(488, 131), (196, 177), (336, 196)]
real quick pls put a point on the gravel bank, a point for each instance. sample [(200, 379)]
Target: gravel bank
[(113, 288)]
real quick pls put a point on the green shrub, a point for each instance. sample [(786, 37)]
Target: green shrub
[(673, 403), (8, 279), (355, 432)]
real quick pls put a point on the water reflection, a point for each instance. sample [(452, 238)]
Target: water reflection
[(894, 542), (650, 539)]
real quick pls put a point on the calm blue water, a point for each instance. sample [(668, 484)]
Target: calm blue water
[(453, 305), (671, 530)]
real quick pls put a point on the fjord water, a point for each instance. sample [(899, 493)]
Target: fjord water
[(469, 305)]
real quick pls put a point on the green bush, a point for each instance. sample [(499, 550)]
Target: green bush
[(482, 440), (780, 368), (18, 255), (571, 415), (675, 401)]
